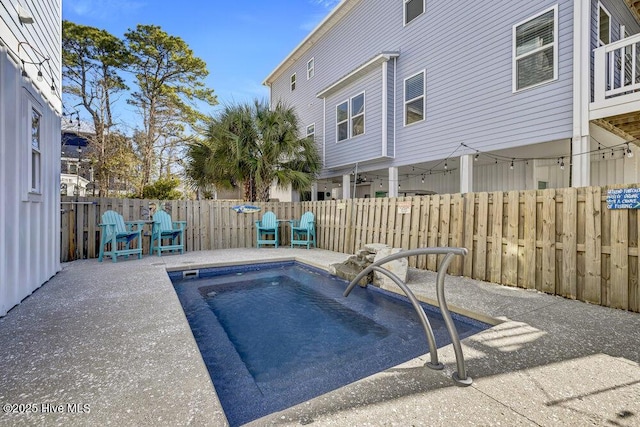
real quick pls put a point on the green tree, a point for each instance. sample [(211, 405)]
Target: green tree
[(91, 62), (170, 82), (163, 189), (253, 146)]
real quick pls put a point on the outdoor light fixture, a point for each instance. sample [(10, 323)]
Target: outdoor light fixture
[(629, 152), (24, 16), (39, 77), (562, 164)]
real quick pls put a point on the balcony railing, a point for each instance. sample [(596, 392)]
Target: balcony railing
[(616, 76)]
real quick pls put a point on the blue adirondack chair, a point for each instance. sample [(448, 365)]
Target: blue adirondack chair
[(114, 230), (166, 230), (266, 227), (303, 231)]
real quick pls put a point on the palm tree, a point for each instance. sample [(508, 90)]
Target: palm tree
[(254, 146)]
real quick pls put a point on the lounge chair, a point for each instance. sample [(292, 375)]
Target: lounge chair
[(267, 226), (114, 230), (166, 230), (303, 231)]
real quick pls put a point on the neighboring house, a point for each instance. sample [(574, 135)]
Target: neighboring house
[(30, 111), (420, 96), (76, 173)]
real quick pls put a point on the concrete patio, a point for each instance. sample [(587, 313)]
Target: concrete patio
[(108, 344)]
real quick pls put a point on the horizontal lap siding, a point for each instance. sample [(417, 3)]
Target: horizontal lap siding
[(468, 63), (367, 145), (466, 50)]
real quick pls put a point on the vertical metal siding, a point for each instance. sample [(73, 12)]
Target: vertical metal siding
[(30, 244)]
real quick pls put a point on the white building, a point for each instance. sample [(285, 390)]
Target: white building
[(30, 111)]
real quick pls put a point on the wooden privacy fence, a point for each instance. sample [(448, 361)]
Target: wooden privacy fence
[(559, 241)]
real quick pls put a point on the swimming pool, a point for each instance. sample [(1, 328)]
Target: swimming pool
[(274, 335)]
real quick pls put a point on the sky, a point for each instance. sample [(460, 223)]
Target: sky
[(240, 41)]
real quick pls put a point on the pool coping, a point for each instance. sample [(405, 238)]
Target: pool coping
[(305, 261), (114, 336)]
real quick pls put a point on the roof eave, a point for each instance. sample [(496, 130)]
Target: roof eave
[(327, 23)]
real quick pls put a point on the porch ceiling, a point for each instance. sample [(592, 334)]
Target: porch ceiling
[(634, 5), (626, 126)]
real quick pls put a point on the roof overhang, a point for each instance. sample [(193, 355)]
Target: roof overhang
[(357, 73), (327, 24)]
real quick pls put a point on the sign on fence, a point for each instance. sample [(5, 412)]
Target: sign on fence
[(623, 198), (404, 207)]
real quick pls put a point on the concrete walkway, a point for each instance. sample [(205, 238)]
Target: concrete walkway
[(108, 344)]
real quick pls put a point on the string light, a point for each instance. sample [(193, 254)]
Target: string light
[(511, 167), (475, 158), (562, 164), (629, 152)]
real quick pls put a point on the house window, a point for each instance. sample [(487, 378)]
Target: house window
[(35, 161), (311, 70), (412, 9), (414, 98), (535, 50), (357, 115), (293, 82), (604, 25), (311, 130), (72, 168), (350, 118), (342, 121)]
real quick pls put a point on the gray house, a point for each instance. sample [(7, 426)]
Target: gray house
[(421, 96)]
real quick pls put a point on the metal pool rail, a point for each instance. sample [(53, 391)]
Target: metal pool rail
[(460, 377)]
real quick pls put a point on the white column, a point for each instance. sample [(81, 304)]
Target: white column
[(393, 182), (580, 143), (466, 173), (314, 191), (346, 186), (580, 162)]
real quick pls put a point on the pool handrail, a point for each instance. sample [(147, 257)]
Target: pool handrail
[(460, 376)]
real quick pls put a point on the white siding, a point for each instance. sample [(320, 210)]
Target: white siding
[(29, 223)]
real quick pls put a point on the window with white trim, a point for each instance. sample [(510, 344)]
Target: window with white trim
[(414, 98), (412, 9), (357, 115), (604, 25), (350, 117), (35, 161), (342, 121), (535, 50), (293, 82), (311, 68), (311, 131)]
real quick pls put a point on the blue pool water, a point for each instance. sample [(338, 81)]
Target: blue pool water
[(274, 335)]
